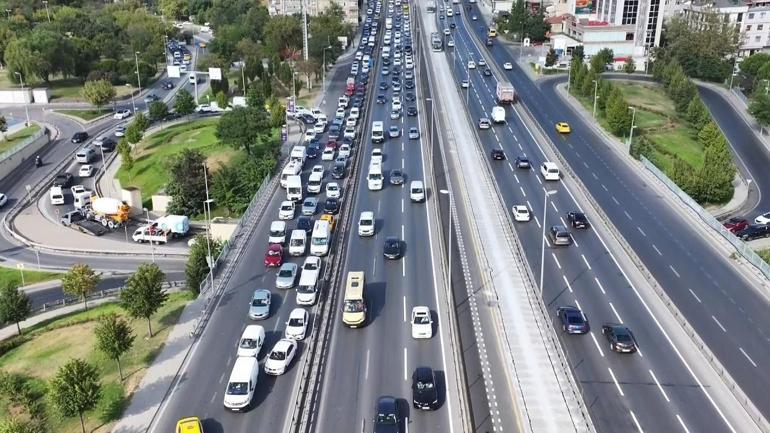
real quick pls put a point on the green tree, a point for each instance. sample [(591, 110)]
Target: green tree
[(537, 27), (601, 59), (629, 67), (141, 121), (99, 92), (705, 51), (517, 20), (551, 58), (244, 128), (605, 90), (760, 108), (158, 111), (174, 8), (718, 170), (618, 115), (184, 104), (15, 306), (144, 294), (75, 389), (589, 84), (114, 337), (12, 425), (186, 183), (578, 53), (750, 66), (197, 267), (697, 113), (3, 126), (80, 281), (221, 100), (133, 133), (283, 35), (126, 158), (683, 175)]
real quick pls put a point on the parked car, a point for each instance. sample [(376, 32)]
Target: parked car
[(754, 231), (736, 224)]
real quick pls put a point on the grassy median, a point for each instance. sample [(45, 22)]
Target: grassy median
[(17, 137), (13, 276)]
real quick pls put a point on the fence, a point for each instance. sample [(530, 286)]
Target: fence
[(740, 246), (106, 293)]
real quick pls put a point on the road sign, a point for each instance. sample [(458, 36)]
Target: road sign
[(215, 74), (173, 71), (291, 104), (284, 133)]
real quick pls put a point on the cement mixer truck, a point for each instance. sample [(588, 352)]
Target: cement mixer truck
[(110, 212)]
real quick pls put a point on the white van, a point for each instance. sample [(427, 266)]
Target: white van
[(298, 154), (366, 224), (549, 170), (417, 191), (388, 23), (297, 242), (291, 169), (378, 131), (251, 341), (314, 183), (498, 114), (85, 155), (57, 195), (319, 241), (386, 52), (277, 233), (374, 178), (242, 383), (294, 188)]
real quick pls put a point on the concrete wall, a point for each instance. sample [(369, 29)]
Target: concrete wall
[(160, 203), (10, 163), (16, 96)]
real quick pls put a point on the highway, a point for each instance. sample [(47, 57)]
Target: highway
[(652, 390)]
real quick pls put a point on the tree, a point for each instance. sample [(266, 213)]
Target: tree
[(714, 180), (551, 58), (283, 35), (114, 337), (126, 159), (244, 128), (750, 65), (517, 20), (760, 108), (15, 306), (80, 281), (184, 104), (221, 100), (604, 92), (144, 294), (705, 51), (618, 115), (578, 54), (158, 111), (141, 121), (186, 183), (3, 126), (197, 267), (589, 84), (537, 27), (601, 59), (697, 113), (75, 389), (99, 92), (629, 67), (133, 133), (173, 8)]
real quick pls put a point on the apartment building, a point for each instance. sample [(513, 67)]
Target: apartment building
[(751, 19), (314, 7)]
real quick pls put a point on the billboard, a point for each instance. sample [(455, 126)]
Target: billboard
[(583, 7), (215, 74), (173, 71)]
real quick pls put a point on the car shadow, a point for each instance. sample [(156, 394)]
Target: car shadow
[(440, 387), (376, 295)]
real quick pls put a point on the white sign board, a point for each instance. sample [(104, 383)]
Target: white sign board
[(173, 71), (215, 74)]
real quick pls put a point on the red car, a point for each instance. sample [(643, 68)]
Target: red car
[(332, 143), (736, 224), (274, 256)]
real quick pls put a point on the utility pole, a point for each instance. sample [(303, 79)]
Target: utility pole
[(26, 106), (47, 14), (138, 77)]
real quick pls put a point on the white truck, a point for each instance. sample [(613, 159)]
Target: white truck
[(163, 229), (294, 188), (505, 93)]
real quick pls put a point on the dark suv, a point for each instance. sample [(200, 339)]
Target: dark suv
[(80, 137), (424, 393), (577, 220), (387, 416), (63, 180), (573, 321), (754, 231)]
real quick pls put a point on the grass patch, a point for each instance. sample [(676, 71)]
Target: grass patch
[(62, 89), (85, 115), (52, 344), (18, 136), (13, 276), (149, 173), (765, 254)]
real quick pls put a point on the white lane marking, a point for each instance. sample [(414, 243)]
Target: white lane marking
[(402, 205), (402, 232), (617, 384), (748, 357), (554, 206), (516, 177), (403, 266), (522, 192), (594, 175), (537, 221), (696, 296), (615, 200), (558, 265), (566, 281), (636, 421), (616, 313), (511, 167), (600, 286), (379, 202), (628, 215), (718, 323), (403, 165), (405, 367), (366, 368), (675, 272), (686, 430), (641, 231), (605, 188), (586, 261), (596, 342), (404, 308), (656, 250), (660, 388)]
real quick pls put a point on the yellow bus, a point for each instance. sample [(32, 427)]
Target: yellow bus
[(354, 306)]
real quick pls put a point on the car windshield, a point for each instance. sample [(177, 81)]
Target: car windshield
[(366, 222), (277, 355), (421, 320), (296, 322), (237, 388), (424, 385), (285, 273), (276, 232), (575, 320), (386, 418), (354, 306), (310, 266), (306, 289), (623, 338), (248, 343), (261, 302)]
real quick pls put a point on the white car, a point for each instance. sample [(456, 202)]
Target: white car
[(351, 122), (280, 357), (520, 213), (333, 190), (507, 66), (77, 189), (422, 323), (296, 326), (366, 224), (762, 219), (309, 135), (355, 113), (319, 127), (450, 43), (344, 151), (395, 105), (328, 154), (471, 64), (122, 114), (251, 341), (340, 113), (311, 268), (120, 131), (86, 170), (318, 168), (287, 210), (3, 199), (350, 132)]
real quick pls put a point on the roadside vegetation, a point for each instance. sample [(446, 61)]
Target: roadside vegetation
[(17, 137), (76, 373), (12, 276), (84, 115)]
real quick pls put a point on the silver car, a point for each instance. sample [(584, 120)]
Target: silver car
[(260, 304), (287, 276), (309, 206)]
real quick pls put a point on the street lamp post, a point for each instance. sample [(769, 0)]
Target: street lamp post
[(207, 206), (323, 72), (596, 96), (26, 106), (147, 212), (542, 248), (569, 73), (449, 236), (138, 77), (45, 3), (633, 118), (8, 13)]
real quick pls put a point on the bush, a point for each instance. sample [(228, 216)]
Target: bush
[(112, 403)]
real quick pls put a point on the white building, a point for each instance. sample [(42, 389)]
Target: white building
[(314, 7), (751, 18)]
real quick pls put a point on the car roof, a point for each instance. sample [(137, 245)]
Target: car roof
[(283, 345), (421, 309), (367, 214), (423, 373), (275, 247), (253, 331), (386, 403), (261, 293), (297, 313)]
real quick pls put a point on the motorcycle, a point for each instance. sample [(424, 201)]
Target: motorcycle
[(38, 162)]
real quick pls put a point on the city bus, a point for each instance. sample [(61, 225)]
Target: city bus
[(436, 41)]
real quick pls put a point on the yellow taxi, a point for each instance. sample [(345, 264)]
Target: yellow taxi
[(563, 128), (189, 425), (492, 33), (331, 219)]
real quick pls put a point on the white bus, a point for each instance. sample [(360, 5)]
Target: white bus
[(436, 42), (319, 242)]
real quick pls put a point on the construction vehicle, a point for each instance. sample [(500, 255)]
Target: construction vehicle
[(110, 212), (163, 229), (75, 220)]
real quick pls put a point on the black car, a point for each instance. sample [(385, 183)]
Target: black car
[(620, 338), (332, 206), (577, 220), (312, 152), (387, 416), (487, 72), (384, 85), (409, 96), (307, 119), (754, 231), (63, 180), (305, 223), (489, 42), (573, 321), (424, 392), (167, 85), (392, 248), (80, 137), (381, 99), (522, 162), (386, 61), (357, 102), (411, 110), (108, 145), (338, 170), (498, 154), (452, 26), (409, 84), (396, 177)]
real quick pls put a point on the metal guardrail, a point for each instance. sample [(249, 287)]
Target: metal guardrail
[(22, 144)]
